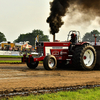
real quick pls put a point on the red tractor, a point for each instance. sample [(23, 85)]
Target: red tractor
[(59, 54)]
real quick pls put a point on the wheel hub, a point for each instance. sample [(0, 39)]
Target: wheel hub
[(84, 57), (51, 63), (88, 57)]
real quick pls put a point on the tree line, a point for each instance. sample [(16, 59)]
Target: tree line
[(27, 37), (89, 36), (31, 37)]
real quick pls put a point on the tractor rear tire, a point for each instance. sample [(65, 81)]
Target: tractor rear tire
[(50, 62), (32, 65), (84, 57)]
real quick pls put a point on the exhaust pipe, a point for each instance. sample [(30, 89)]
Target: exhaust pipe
[(53, 37)]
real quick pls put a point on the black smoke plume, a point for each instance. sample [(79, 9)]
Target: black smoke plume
[(89, 10), (58, 9)]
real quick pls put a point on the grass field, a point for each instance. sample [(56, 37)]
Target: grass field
[(10, 61), (84, 94), (14, 61), (8, 56)]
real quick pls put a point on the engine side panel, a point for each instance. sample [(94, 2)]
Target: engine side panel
[(60, 54)]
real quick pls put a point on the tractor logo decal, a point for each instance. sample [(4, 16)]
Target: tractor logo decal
[(55, 52), (63, 53)]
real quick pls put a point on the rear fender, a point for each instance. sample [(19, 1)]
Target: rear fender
[(81, 44)]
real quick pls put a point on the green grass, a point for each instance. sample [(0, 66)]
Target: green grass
[(84, 94), (40, 62), (8, 56), (10, 61)]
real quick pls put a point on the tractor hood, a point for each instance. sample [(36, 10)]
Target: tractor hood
[(57, 44)]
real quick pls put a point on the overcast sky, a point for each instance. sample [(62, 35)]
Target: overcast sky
[(23, 16)]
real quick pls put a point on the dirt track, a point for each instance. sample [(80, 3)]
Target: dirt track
[(18, 77)]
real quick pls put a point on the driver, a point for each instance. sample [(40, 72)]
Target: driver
[(73, 38)]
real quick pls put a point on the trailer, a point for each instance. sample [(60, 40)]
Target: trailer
[(61, 54)]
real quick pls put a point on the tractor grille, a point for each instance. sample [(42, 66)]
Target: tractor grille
[(40, 50)]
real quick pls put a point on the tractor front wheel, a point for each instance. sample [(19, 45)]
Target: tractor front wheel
[(50, 62)]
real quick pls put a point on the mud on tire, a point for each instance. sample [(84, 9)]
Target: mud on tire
[(84, 57), (50, 62)]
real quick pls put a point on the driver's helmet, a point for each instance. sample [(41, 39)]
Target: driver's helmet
[(73, 35)]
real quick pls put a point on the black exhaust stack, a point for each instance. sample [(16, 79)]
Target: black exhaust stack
[(53, 37)]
